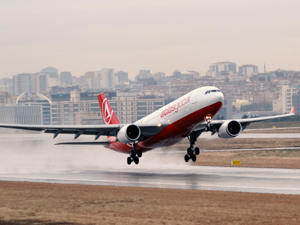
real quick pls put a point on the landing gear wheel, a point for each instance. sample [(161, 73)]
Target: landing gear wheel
[(190, 151), (186, 158), (194, 158), (139, 153), (136, 160), (197, 151), (129, 160)]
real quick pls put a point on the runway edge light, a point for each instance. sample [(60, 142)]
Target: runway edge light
[(235, 162)]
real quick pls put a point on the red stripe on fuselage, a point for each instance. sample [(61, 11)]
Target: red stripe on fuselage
[(172, 133)]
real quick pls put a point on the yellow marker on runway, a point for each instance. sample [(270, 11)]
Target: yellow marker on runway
[(235, 162)]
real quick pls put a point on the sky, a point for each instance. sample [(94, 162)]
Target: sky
[(160, 36)]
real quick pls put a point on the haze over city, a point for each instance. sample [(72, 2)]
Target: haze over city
[(80, 36)]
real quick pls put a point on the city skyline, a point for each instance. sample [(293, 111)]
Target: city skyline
[(164, 36)]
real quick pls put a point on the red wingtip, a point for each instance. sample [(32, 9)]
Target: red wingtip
[(293, 110)]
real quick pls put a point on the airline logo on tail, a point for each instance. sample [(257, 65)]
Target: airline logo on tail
[(106, 113)]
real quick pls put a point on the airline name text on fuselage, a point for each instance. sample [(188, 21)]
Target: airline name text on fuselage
[(176, 106)]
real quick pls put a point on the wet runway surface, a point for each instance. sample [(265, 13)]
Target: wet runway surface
[(260, 135), (280, 181), (35, 158)]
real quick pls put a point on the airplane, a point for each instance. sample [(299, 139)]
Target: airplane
[(186, 117)]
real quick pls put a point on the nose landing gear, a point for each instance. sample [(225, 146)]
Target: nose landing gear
[(191, 151)]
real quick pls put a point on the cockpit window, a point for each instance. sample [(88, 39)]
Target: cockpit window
[(207, 92)]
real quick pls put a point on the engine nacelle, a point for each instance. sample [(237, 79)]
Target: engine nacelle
[(129, 133), (230, 129)]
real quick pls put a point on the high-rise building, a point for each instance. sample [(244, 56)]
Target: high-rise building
[(216, 69), (248, 70), (120, 77), (105, 78), (91, 80), (42, 83), (23, 83), (65, 78), (287, 94), (29, 83)]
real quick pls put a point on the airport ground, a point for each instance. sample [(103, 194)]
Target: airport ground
[(289, 159), (44, 203), (39, 203)]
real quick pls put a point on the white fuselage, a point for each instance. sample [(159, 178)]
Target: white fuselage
[(183, 106)]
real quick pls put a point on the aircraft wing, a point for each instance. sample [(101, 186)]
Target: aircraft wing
[(99, 130), (215, 124)]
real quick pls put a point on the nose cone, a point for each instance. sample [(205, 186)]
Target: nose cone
[(220, 97)]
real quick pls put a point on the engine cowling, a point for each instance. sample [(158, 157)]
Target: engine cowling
[(230, 129), (129, 133)]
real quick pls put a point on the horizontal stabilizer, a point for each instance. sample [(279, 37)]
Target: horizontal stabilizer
[(84, 143)]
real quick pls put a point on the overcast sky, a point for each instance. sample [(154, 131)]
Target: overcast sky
[(129, 35)]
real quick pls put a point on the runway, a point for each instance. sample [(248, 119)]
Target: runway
[(260, 135), (34, 158), (279, 181)]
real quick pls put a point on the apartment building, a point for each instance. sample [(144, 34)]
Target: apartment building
[(78, 108), (21, 114), (37, 99), (217, 68), (287, 94), (65, 78), (248, 70)]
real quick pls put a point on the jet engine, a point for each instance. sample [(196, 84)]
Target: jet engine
[(230, 129), (129, 133)]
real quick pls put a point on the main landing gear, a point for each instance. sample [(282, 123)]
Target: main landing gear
[(191, 151), (134, 155)]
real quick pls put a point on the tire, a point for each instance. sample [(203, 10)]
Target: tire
[(136, 160), (190, 151), (197, 151), (194, 157), (139, 153), (186, 158), (129, 160)]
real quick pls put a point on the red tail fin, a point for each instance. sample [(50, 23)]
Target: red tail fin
[(108, 115)]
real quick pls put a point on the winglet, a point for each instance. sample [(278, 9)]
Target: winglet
[(292, 110)]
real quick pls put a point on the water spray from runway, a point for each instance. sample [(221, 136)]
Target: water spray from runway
[(38, 154)]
